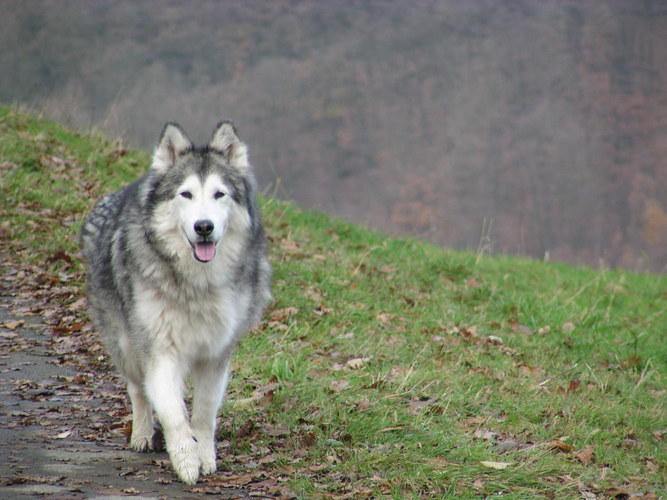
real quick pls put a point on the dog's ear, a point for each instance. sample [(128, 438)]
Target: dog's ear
[(173, 142), (226, 141)]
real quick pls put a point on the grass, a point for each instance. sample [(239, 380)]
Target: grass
[(392, 367)]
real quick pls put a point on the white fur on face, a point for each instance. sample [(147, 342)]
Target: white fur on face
[(174, 220), (195, 202)]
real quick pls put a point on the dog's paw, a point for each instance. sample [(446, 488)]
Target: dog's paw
[(141, 443), (207, 457), (208, 467), (186, 462), (141, 437)]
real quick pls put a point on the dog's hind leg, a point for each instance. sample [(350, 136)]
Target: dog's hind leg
[(165, 386), (210, 383), (142, 418)]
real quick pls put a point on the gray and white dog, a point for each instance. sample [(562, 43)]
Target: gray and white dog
[(177, 271)]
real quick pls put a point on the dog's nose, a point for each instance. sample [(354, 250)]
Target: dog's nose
[(204, 227)]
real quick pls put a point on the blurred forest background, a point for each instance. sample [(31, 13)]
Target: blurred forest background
[(529, 127)]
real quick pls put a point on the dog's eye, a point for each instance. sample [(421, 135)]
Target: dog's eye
[(186, 194), (218, 195)]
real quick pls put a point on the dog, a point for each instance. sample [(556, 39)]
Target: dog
[(177, 270)]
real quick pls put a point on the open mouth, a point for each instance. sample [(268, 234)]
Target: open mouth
[(204, 251)]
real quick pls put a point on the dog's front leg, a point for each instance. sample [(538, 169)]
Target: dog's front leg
[(165, 386), (142, 418), (210, 383)]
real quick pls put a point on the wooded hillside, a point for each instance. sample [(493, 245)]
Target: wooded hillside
[(540, 124)]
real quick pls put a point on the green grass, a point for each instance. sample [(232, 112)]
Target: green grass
[(391, 366)]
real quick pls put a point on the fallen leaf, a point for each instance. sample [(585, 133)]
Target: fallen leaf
[(384, 317), (339, 385), (289, 245), (283, 314), (439, 463), (245, 430), (585, 456), (262, 396), (356, 363), (510, 444), (268, 459), (13, 325), (495, 465), (652, 465), (312, 294), (239, 404), (364, 405), (266, 483), (391, 429), (557, 444), (79, 305), (614, 492), (8, 165), (322, 310), (486, 435), (521, 329)]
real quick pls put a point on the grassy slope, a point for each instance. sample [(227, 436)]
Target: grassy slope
[(391, 366)]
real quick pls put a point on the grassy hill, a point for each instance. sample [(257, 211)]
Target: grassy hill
[(384, 366)]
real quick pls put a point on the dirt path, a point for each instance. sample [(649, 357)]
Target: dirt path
[(62, 425)]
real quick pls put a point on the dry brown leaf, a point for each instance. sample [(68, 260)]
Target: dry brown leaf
[(384, 317), (364, 405), (79, 305), (356, 363), (289, 245), (8, 165), (239, 480), (312, 294), (574, 385), (439, 463), (557, 444), (486, 435), (13, 325), (283, 314), (322, 310), (614, 492), (585, 456), (391, 429), (339, 385)]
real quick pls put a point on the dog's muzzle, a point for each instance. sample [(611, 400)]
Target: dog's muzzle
[(204, 249)]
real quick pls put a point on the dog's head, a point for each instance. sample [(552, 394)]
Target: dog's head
[(201, 193)]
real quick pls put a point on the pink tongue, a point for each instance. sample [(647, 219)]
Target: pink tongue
[(205, 251)]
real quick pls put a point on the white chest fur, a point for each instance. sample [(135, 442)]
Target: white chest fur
[(193, 328)]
